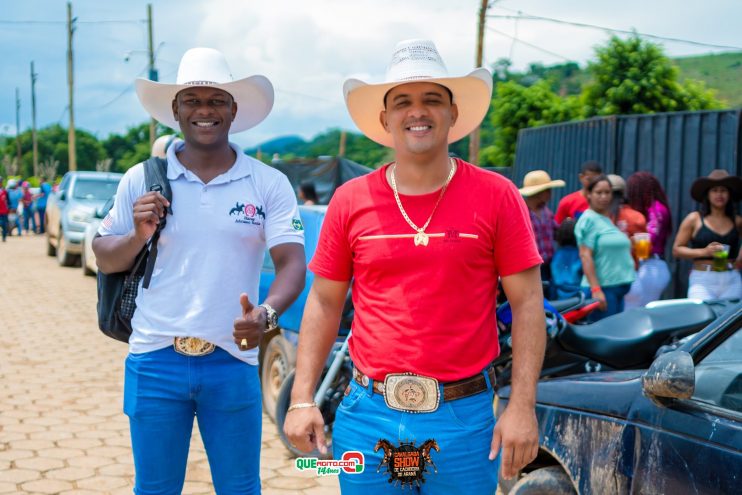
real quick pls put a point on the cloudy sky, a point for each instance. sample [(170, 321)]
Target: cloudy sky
[(307, 48)]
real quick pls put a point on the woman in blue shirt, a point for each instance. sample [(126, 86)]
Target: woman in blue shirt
[(605, 252)]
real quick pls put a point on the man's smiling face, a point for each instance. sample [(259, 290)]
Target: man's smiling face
[(419, 116), (204, 114)]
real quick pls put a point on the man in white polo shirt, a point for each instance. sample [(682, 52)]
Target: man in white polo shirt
[(196, 330)]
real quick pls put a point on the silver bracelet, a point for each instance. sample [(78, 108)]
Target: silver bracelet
[(301, 405)]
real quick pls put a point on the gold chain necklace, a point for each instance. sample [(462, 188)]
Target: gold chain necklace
[(421, 238)]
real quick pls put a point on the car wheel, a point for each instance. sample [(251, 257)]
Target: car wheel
[(550, 480), (50, 250), (63, 257), (279, 359), (84, 262)]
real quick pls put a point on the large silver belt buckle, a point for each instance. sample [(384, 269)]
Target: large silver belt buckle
[(192, 346), (411, 393)]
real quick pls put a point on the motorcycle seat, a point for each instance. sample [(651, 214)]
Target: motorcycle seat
[(562, 305), (629, 339)]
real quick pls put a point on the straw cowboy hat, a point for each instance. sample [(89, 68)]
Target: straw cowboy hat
[(419, 61), (717, 177), (208, 67), (537, 181)]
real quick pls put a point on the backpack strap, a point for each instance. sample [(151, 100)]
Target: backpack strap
[(155, 179)]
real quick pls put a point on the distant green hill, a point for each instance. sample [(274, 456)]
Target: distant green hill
[(722, 72)]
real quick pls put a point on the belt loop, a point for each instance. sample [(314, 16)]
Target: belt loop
[(370, 387), (486, 374)]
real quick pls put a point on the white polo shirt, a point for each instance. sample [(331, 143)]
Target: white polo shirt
[(210, 251)]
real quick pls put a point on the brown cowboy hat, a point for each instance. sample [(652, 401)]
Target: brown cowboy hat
[(718, 177)]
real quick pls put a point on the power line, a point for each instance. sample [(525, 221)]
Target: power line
[(61, 116), (529, 17), (516, 40), (126, 89), (77, 21)]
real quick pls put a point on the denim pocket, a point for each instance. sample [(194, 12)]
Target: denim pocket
[(472, 413), (355, 393)]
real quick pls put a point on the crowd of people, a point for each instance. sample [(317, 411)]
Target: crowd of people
[(609, 239), (21, 209)]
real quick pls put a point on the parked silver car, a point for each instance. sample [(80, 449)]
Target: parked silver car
[(87, 256), (72, 207)]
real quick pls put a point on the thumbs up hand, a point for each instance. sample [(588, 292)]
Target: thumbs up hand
[(249, 329)]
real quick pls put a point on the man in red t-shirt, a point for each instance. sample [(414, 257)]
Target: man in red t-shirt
[(424, 240), (572, 205)]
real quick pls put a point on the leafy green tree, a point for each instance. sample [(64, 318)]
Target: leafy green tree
[(52, 143), (516, 107), (131, 148), (634, 76)]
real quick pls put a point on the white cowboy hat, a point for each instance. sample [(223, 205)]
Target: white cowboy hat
[(208, 67), (537, 181), (419, 61)]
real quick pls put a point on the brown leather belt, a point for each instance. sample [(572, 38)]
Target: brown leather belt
[(451, 391)]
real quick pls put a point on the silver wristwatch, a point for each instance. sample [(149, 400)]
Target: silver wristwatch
[(271, 317)]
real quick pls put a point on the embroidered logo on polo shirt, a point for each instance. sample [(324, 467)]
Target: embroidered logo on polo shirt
[(296, 224), (247, 213)]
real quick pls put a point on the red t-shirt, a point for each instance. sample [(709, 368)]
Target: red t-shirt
[(27, 198), (428, 310), (571, 206), (3, 202), (630, 221)]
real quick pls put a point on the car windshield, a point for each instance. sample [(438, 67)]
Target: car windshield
[(95, 189)]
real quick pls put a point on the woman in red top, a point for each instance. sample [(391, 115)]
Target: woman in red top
[(3, 210), (29, 213)]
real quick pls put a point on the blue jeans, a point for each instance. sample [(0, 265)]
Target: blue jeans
[(614, 295), (164, 391), (29, 220), (17, 225), (4, 225), (462, 428), (41, 210)]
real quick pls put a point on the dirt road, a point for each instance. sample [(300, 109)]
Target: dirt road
[(62, 429)]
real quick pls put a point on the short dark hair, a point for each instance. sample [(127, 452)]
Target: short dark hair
[(591, 166), (450, 94), (310, 192)]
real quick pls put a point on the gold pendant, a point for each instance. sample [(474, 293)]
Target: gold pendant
[(421, 238)]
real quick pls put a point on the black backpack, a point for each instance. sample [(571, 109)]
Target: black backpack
[(117, 291)]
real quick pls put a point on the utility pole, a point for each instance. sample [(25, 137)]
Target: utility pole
[(18, 125), (71, 85), (474, 136), (33, 123), (343, 138), (152, 71)]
